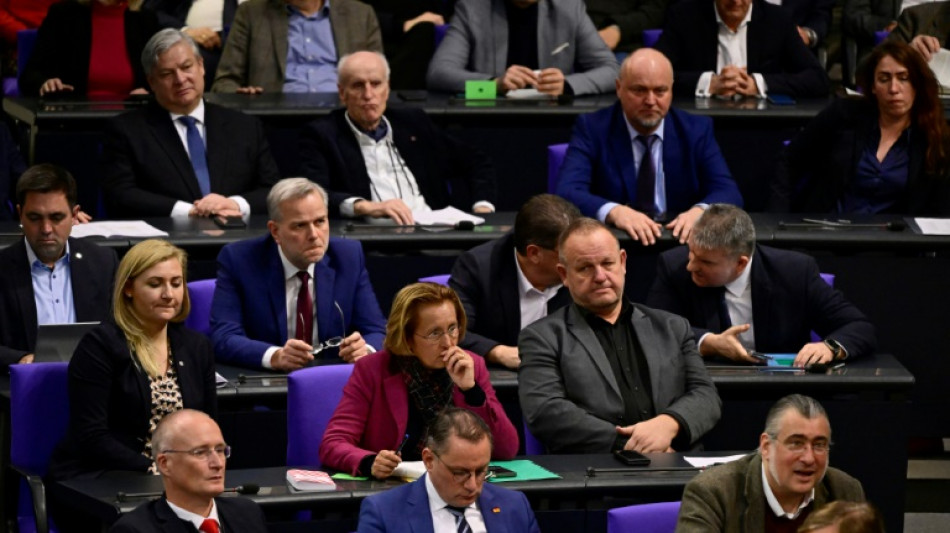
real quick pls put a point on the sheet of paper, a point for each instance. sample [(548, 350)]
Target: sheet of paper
[(447, 215), (529, 93), (933, 226), (702, 462), (940, 64), (117, 228), (410, 470)]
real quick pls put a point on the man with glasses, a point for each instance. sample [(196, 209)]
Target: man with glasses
[(508, 283), (777, 487), (191, 456), (452, 497), (282, 296)]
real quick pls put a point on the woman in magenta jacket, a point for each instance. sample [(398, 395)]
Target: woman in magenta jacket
[(393, 394)]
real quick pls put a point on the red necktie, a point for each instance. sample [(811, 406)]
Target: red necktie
[(304, 309), (210, 525)]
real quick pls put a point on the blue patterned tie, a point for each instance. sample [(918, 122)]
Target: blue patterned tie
[(646, 178), (196, 149), (461, 525)]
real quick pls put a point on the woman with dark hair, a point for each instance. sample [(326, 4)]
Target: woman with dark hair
[(90, 48), (393, 395), (885, 152)]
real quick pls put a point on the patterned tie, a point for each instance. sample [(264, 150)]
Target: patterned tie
[(304, 309), (724, 319), (210, 525), (196, 150), (461, 525), (646, 178)]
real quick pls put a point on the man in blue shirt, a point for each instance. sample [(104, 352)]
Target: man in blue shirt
[(49, 278), (293, 45)]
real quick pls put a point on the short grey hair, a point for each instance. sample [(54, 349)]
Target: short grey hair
[(291, 189), (724, 227), (160, 43), (806, 406), (341, 64)]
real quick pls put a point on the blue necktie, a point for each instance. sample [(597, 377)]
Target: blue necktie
[(461, 525), (196, 149), (646, 178)]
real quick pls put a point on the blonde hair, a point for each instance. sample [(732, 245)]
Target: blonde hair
[(134, 5), (138, 259), (403, 316)]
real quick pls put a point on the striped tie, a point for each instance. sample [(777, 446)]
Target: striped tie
[(461, 526)]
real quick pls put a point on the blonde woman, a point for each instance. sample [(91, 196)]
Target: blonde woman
[(131, 371)]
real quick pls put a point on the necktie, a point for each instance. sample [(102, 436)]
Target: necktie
[(210, 525), (196, 150), (461, 525), (724, 320), (304, 330), (646, 178)]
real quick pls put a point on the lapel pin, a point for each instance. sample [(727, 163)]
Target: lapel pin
[(78, 255), (181, 363), (496, 510), (412, 138)]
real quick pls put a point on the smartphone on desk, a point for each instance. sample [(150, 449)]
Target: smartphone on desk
[(500, 471), (631, 458), (229, 222)]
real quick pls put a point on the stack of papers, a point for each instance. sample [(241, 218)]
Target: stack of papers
[(410, 470), (117, 228), (310, 480), (447, 215)]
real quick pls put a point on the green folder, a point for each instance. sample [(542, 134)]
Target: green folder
[(526, 471)]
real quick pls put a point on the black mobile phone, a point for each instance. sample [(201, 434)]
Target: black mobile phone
[(631, 458), (500, 471), (229, 222)]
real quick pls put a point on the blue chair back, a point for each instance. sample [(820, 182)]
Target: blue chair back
[(440, 30), (651, 36), (556, 153), (312, 396), (646, 518), (532, 446), (201, 293), (879, 36), (441, 279)]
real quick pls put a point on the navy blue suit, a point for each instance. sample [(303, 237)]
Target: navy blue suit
[(789, 300), (249, 311), (598, 167), (405, 509)]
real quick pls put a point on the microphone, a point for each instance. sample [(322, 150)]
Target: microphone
[(461, 225), (889, 226), (248, 488)]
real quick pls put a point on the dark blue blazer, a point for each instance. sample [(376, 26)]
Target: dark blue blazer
[(405, 509), (249, 311), (598, 167), (789, 300)]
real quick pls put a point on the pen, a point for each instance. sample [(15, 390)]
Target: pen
[(402, 444), (560, 48)]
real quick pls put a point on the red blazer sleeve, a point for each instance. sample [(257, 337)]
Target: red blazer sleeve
[(503, 431)]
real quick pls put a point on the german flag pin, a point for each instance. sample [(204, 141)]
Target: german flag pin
[(496, 510)]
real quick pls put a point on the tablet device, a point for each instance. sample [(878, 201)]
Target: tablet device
[(55, 343)]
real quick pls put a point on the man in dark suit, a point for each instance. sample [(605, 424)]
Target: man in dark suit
[(48, 277), (191, 456), (610, 174), (263, 315), (510, 282), (740, 297), (452, 496), (180, 156), (388, 163), (605, 374), (754, 50)]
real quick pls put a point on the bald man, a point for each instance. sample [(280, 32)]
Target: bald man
[(639, 164)]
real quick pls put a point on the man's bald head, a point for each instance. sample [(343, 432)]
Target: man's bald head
[(645, 89), (647, 60)]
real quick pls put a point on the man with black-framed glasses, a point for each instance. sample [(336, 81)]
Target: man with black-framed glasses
[(452, 496), (775, 488), (191, 457)]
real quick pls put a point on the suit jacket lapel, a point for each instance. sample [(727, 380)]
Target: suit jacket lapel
[(753, 514), (499, 28), (169, 522), (408, 146), (80, 274), (276, 289), (510, 300), (620, 149), (673, 172), (217, 147), (761, 301), (278, 29), (588, 341), (26, 300), (495, 522), (708, 54), (352, 158), (755, 35), (167, 138), (397, 398), (418, 513), (327, 316), (648, 337)]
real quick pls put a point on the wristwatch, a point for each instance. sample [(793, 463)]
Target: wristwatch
[(837, 351)]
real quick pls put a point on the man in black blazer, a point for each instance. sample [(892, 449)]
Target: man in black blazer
[(191, 456), (508, 283), (75, 276), (181, 156), (413, 165), (755, 50), (769, 306)]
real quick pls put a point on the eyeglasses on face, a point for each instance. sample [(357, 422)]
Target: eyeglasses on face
[(461, 476), (204, 453), (798, 445), (437, 334)]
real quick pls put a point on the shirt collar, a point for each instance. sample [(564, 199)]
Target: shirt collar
[(290, 271), (773, 501), (198, 113), (195, 518), (525, 286), (634, 133), (745, 21), (362, 138), (436, 503), (323, 12), (34, 261), (738, 286)]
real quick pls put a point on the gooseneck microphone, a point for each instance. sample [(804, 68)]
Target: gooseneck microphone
[(247, 489), (829, 225), (462, 225)]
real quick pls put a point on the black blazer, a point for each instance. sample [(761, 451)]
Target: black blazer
[(92, 270), (773, 47), (819, 164), (63, 43), (110, 400), (236, 514), (145, 168), (486, 280), (448, 171), (789, 300)]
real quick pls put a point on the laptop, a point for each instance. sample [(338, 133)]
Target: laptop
[(55, 343)]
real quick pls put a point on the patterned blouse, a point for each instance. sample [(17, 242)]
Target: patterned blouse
[(166, 399)]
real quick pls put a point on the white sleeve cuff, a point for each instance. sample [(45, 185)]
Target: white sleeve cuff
[(702, 86), (268, 355), (483, 203), (760, 83), (242, 205), (605, 210), (700, 343), (181, 209), (346, 206)]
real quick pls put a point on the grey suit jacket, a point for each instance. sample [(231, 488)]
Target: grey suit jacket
[(730, 499), (570, 397), (256, 50), (476, 47), (924, 19)]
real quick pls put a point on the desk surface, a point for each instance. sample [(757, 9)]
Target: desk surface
[(99, 496)]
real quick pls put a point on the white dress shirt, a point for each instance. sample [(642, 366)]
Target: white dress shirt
[(533, 303), (738, 297), (773, 501), (443, 521), (207, 14), (731, 49), (197, 519)]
